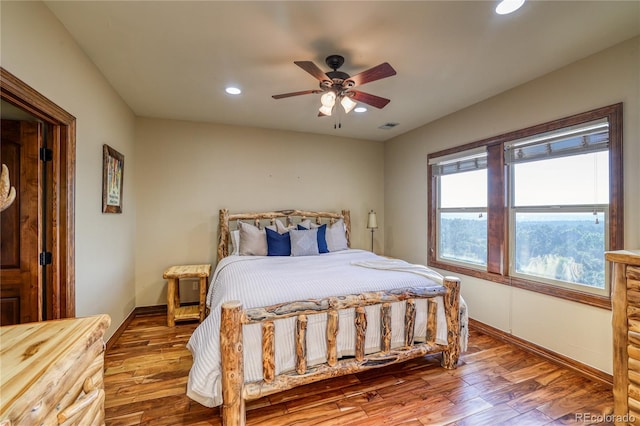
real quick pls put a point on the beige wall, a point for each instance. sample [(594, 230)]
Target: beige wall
[(575, 330), (186, 172), (36, 48)]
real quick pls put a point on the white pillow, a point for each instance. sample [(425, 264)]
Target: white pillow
[(281, 228), (304, 242), (235, 242), (253, 241), (306, 223), (336, 237)]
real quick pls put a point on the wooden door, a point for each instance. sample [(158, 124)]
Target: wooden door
[(20, 223)]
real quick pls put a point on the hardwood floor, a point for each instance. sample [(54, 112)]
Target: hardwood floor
[(495, 384)]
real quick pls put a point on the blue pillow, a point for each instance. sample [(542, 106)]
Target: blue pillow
[(322, 239), (278, 244)]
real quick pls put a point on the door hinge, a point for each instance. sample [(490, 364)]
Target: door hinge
[(46, 154), (46, 258)]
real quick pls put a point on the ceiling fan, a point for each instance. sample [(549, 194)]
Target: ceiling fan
[(337, 86)]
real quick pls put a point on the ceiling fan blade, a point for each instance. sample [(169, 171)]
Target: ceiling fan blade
[(288, 95), (312, 69), (369, 99), (376, 73)]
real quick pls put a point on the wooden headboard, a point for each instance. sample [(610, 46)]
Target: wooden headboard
[(226, 219)]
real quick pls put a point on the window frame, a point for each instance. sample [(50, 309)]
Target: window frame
[(498, 214), (461, 163)]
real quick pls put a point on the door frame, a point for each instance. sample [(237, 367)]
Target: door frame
[(61, 214)]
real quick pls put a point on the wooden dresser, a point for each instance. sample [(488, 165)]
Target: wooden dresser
[(625, 299), (51, 372)]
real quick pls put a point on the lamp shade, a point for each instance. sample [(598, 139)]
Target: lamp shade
[(348, 104), (328, 99), (372, 221), (326, 110)]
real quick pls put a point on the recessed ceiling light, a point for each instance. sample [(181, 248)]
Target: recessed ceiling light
[(508, 6), (360, 109), (233, 90)]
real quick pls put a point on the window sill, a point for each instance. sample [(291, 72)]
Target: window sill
[(535, 286)]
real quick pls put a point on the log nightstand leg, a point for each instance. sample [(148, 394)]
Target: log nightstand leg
[(171, 299), (176, 299)]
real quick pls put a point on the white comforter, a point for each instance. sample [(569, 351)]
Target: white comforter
[(262, 281)]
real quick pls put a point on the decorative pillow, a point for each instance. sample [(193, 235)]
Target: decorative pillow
[(322, 232), (304, 242), (281, 228), (253, 241), (306, 224), (235, 242), (336, 237), (322, 238), (278, 244)]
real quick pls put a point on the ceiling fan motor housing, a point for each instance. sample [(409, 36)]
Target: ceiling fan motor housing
[(334, 61), (337, 77)]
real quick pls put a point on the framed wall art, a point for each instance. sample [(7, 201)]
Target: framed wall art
[(112, 180)]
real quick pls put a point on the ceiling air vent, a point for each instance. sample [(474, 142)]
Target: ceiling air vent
[(388, 126)]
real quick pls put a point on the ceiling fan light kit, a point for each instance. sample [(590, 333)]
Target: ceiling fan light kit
[(338, 85)]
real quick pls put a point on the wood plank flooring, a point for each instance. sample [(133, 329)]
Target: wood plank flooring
[(146, 374)]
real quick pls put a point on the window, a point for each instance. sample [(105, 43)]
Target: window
[(462, 208), (559, 204), (536, 208)]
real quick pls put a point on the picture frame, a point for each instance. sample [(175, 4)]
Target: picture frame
[(112, 180)]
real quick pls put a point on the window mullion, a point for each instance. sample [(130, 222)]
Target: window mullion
[(496, 221)]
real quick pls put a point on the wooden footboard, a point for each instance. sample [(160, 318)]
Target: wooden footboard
[(234, 389)]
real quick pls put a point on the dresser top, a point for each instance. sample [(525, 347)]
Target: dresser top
[(28, 350), (630, 257)]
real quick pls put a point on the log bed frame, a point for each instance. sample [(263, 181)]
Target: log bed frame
[(234, 389)]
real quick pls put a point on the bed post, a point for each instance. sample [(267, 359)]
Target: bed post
[(452, 313), (346, 217), (223, 234), (233, 409)]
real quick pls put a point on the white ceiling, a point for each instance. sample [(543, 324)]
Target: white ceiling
[(173, 59)]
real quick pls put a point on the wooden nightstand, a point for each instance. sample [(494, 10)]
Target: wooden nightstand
[(175, 312)]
